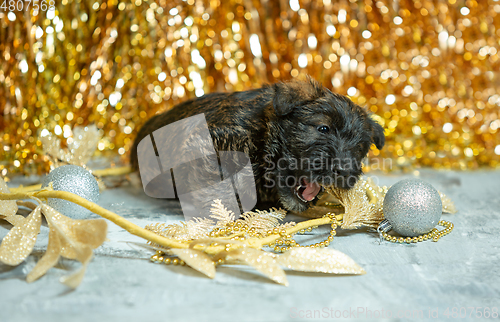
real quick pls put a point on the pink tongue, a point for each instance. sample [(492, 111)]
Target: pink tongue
[(311, 190)]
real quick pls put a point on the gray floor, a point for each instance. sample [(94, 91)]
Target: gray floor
[(460, 271)]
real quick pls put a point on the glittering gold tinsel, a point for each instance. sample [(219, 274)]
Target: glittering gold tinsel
[(428, 69)]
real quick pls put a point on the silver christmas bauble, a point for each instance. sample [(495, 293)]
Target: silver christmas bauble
[(76, 180), (413, 207)]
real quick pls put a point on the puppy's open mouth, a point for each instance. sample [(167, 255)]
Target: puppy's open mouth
[(306, 191)]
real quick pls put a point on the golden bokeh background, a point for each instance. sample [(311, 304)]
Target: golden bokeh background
[(428, 70)]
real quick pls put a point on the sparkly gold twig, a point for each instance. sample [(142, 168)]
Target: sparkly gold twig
[(99, 173), (112, 171), (254, 242), (434, 235), (31, 188)]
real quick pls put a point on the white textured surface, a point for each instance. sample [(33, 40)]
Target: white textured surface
[(461, 270)]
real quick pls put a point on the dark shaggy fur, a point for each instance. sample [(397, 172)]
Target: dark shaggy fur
[(290, 131)]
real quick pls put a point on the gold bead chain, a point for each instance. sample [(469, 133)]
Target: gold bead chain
[(287, 242), (433, 235), (160, 257), (239, 228), (236, 230)]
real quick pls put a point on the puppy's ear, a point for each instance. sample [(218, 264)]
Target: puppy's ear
[(378, 137), (290, 95)]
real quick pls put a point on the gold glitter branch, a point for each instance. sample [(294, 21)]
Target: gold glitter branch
[(145, 233), (118, 220), (116, 171), (201, 252)]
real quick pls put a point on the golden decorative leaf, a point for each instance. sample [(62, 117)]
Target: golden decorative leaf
[(286, 225), (27, 204), (261, 261), (448, 205), (221, 214), (21, 239), (192, 229), (197, 260), (199, 227), (7, 207), (359, 209), (91, 232), (324, 260), (262, 221), (76, 278), (15, 220), (78, 151), (48, 260), (77, 238), (169, 231), (84, 144)]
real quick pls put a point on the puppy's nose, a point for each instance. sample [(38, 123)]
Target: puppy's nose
[(341, 167)]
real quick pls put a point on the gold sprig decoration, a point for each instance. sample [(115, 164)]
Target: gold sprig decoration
[(80, 146), (243, 240), (362, 204), (69, 238), (251, 223), (77, 149)]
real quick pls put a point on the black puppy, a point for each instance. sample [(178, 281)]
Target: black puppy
[(299, 136)]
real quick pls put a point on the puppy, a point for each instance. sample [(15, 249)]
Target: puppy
[(299, 136)]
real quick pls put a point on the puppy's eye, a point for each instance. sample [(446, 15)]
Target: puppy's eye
[(323, 128)]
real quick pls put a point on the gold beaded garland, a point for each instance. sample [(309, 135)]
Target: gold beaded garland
[(282, 244), (286, 241), (159, 257), (434, 234)]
